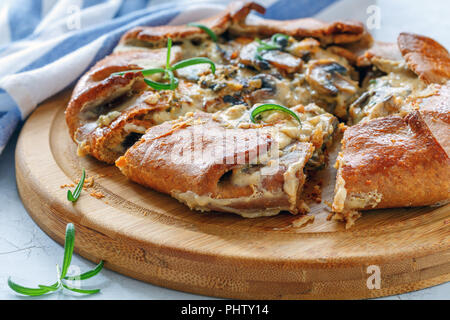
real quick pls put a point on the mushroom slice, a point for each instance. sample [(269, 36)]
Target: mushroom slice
[(279, 59), (329, 77), (283, 60)]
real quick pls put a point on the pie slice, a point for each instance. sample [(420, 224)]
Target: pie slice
[(396, 161), (211, 164)]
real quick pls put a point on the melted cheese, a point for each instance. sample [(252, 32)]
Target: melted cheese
[(205, 202)]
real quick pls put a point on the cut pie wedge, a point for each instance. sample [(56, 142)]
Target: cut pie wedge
[(208, 164), (396, 161)]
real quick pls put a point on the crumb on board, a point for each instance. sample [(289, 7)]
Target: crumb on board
[(317, 194), (314, 193), (67, 186), (88, 182), (97, 195), (349, 217), (302, 221), (330, 215), (328, 203)]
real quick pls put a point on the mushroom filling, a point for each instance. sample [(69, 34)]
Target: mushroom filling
[(386, 95), (294, 73)]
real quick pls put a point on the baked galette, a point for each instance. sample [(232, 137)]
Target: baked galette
[(233, 113)]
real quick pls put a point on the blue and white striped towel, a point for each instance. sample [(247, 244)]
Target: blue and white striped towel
[(46, 45)]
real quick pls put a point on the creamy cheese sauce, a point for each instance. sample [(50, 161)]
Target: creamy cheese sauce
[(205, 202)]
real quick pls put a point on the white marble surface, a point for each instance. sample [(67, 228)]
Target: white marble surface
[(29, 255)]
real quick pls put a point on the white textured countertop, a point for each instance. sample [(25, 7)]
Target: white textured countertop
[(28, 254)]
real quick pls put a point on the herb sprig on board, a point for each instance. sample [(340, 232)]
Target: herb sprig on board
[(168, 70), (73, 197), (62, 276)]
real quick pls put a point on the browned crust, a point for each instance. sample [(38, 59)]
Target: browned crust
[(335, 32), (157, 36), (423, 55), (233, 19), (426, 57), (397, 159), (360, 47), (382, 50), (150, 163), (435, 110)]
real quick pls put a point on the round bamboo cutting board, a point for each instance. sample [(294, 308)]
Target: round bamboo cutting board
[(152, 237)]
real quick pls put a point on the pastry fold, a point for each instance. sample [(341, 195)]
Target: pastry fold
[(210, 166), (426, 57), (105, 109), (234, 19)]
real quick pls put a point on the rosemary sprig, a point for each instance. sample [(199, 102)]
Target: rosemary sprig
[(61, 274), (73, 197), (277, 42), (192, 61), (211, 33), (168, 70), (271, 106)]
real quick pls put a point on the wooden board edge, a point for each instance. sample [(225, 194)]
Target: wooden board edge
[(54, 225)]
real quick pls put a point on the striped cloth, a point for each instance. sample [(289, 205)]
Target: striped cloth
[(46, 45)]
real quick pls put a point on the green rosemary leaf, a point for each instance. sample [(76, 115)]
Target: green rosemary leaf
[(73, 197), (53, 287), (148, 72), (271, 106), (68, 252), (158, 85), (145, 72), (169, 48), (68, 249), (211, 33), (83, 291), (173, 80), (193, 61), (266, 46), (88, 274), (26, 291), (271, 45)]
